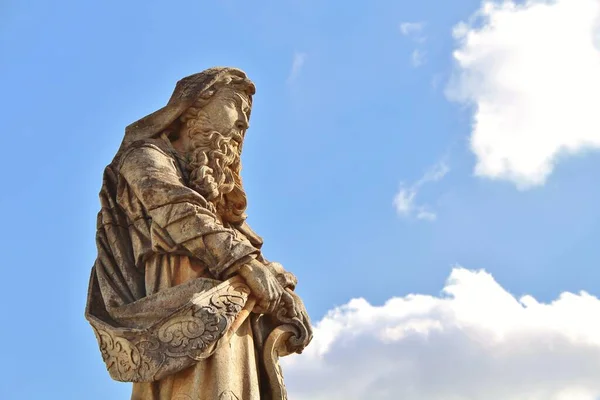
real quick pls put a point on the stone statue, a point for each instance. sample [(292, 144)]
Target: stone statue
[(181, 299)]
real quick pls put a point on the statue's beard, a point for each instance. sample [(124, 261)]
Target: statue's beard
[(215, 168)]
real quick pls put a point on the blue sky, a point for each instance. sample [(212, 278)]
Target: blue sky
[(346, 117)]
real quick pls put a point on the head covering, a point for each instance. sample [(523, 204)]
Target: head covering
[(186, 92)]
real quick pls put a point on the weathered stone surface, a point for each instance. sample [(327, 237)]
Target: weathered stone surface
[(181, 299)]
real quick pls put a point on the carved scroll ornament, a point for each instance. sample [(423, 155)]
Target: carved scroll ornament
[(190, 334)]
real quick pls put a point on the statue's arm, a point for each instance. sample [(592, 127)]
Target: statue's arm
[(180, 216)]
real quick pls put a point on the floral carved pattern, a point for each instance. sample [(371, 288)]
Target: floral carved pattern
[(188, 335)]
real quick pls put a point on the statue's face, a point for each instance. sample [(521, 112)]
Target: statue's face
[(228, 112)]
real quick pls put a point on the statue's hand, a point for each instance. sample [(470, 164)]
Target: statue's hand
[(263, 285), (285, 278)]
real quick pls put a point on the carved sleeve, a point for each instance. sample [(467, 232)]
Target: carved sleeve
[(179, 216)]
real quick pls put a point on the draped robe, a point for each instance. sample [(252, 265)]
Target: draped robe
[(159, 242)]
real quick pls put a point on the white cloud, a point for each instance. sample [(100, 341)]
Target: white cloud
[(297, 64), (404, 201), (474, 342), (531, 71)]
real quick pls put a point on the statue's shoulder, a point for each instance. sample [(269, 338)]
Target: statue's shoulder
[(143, 150)]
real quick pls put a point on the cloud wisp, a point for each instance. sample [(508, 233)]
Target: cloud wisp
[(531, 73), (297, 65), (475, 341), (415, 32), (417, 58), (405, 199)]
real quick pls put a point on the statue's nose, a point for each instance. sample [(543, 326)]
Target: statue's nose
[(241, 124)]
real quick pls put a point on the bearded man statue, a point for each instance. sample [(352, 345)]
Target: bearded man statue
[(181, 299)]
